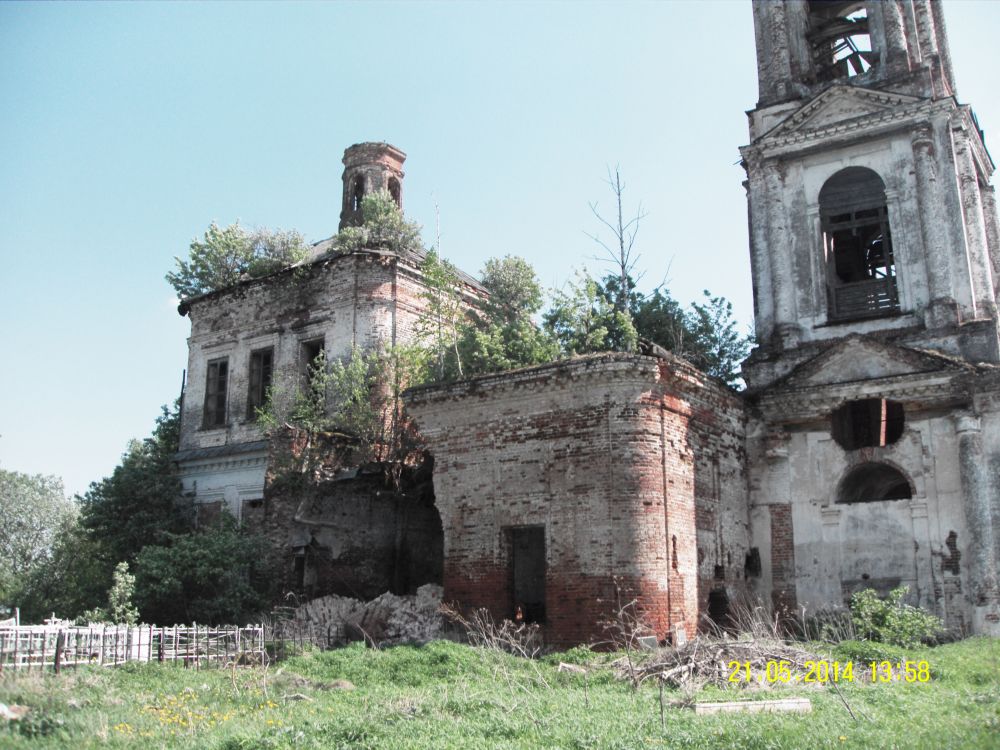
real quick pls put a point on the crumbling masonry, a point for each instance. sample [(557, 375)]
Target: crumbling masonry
[(865, 451)]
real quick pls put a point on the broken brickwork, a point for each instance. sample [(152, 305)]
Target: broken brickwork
[(630, 466), (330, 303), (340, 527)]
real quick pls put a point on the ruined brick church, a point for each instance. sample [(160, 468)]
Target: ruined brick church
[(865, 451)]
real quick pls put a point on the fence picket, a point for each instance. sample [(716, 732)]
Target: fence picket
[(27, 646)]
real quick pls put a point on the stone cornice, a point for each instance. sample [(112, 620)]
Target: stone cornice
[(781, 142), (194, 467), (810, 402)]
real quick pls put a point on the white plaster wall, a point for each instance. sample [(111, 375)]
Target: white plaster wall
[(840, 548), (231, 481)]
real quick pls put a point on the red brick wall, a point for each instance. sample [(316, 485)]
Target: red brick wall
[(782, 558), (605, 453)]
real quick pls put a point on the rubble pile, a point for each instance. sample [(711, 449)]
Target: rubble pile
[(386, 620)]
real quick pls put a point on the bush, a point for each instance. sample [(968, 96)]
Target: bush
[(221, 574), (892, 621), (864, 652)]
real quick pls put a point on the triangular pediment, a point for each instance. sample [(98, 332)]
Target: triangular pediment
[(842, 105), (859, 358)]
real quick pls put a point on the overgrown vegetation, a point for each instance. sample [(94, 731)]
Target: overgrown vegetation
[(355, 400), (226, 255), (891, 620), (32, 510), (446, 695), (583, 319), (218, 574), (120, 608), (502, 335), (462, 337), (137, 523), (384, 227)]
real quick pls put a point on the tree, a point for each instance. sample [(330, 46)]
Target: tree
[(705, 334), (661, 319), (218, 575), (73, 579), (140, 503), (502, 335), (583, 320), (515, 293), (32, 509), (119, 607), (358, 396), (716, 345), (620, 253), (443, 315), (225, 256)]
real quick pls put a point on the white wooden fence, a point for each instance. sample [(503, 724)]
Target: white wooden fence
[(40, 647)]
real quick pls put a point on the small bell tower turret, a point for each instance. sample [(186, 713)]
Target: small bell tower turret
[(369, 167)]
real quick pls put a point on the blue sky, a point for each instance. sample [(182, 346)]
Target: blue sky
[(128, 127)]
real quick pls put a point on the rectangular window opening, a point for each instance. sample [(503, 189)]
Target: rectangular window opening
[(528, 569), (312, 351), (312, 354), (299, 570), (261, 371), (215, 393)]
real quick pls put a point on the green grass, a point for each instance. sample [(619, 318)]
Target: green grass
[(445, 695)]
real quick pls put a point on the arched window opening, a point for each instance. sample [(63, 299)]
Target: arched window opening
[(868, 423), (873, 482), (838, 34), (395, 192), (861, 267), (357, 193)]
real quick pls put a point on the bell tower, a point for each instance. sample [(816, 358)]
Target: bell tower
[(369, 167), (873, 430), (868, 186), (803, 45)]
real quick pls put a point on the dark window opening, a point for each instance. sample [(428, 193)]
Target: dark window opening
[(313, 362), (718, 608), (874, 482), (719, 572), (311, 350), (950, 562), (860, 245), (394, 191), (838, 35), (868, 423), (357, 193), (299, 572), (861, 266), (313, 355), (528, 567), (751, 567), (261, 370), (215, 393)]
